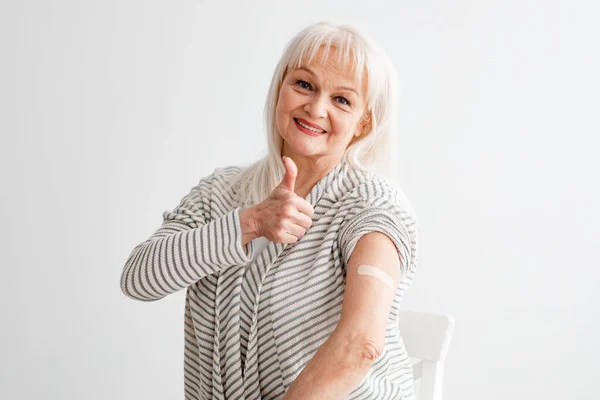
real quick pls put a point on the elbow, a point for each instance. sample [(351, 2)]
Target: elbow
[(127, 284), (358, 351), (129, 291), (370, 351), (365, 355), (355, 363), (128, 280), (126, 277)]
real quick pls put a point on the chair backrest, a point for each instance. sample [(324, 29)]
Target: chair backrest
[(426, 337)]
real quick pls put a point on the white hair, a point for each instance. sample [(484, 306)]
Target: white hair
[(374, 150)]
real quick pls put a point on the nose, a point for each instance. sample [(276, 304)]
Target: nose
[(317, 107)]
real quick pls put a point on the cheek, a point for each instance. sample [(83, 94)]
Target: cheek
[(282, 111), (280, 108), (342, 125), (287, 100)]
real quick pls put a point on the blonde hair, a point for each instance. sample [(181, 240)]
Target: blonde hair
[(374, 150)]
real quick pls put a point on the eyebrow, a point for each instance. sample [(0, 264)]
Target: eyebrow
[(339, 87)]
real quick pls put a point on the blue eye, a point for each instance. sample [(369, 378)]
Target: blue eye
[(303, 84), (344, 101)]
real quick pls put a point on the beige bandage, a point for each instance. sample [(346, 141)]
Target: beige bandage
[(376, 273)]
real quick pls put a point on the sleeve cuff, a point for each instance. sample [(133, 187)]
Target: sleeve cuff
[(377, 220), (242, 254)]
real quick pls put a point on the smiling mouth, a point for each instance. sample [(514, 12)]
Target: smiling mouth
[(309, 128)]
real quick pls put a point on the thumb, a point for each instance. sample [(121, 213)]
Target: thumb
[(289, 178)]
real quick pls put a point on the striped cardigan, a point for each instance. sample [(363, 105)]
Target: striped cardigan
[(250, 331)]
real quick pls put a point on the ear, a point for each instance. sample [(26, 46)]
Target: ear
[(365, 125)]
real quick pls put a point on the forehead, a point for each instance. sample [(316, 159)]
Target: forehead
[(331, 67)]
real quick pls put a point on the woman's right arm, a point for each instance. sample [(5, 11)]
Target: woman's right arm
[(186, 248)]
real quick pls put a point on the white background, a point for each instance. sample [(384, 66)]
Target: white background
[(112, 110)]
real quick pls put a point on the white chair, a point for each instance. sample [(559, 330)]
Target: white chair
[(426, 337)]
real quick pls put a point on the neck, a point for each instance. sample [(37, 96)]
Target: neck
[(311, 171)]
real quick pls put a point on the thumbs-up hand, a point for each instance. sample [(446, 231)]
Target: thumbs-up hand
[(283, 217), (289, 178)]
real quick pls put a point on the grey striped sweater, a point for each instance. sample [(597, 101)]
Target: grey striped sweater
[(250, 331)]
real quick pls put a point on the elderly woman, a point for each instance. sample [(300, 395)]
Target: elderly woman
[(294, 267)]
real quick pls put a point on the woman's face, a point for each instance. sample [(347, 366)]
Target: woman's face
[(322, 97)]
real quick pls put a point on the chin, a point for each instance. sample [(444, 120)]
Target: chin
[(302, 148)]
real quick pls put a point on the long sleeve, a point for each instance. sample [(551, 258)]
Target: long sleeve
[(186, 248)]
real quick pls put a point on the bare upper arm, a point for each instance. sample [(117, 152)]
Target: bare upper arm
[(368, 300)]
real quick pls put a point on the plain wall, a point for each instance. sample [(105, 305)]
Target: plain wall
[(112, 110)]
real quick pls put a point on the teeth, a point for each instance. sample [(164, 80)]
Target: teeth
[(310, 128)]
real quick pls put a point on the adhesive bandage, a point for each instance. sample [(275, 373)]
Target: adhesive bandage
[(376, 273)]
